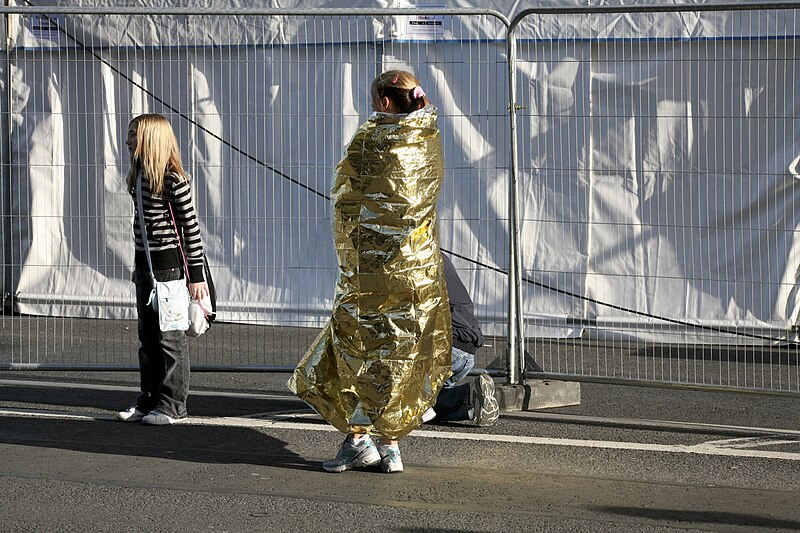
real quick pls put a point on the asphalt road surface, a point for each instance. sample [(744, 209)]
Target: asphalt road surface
[(626, 459)]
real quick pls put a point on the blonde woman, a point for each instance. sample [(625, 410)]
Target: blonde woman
[(167, 204)]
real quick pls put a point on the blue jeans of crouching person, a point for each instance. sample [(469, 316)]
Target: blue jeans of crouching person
[(453, 402)]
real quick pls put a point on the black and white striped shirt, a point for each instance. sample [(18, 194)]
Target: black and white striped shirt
[(161, 236)]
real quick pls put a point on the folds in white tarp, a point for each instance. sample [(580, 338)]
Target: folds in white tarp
[(657, 186), (654, 171)]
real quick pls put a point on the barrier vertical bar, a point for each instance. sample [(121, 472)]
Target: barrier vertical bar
[(5, 186), (516, 360)]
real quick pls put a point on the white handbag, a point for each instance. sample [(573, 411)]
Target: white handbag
[(170, 299), (199, 313)]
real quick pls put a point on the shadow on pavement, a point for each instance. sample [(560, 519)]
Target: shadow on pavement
[(192, 443), (189, 443), (703, 517), (111, 400)]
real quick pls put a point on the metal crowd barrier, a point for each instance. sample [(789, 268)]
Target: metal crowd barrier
[(596, 245)]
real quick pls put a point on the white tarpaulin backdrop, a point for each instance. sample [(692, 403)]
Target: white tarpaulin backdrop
[(654, 159)]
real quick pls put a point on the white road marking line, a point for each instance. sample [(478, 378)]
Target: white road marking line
[(706, 448), (537, 415), (125, 388), (43, 413), (644, 423), (751, 442)]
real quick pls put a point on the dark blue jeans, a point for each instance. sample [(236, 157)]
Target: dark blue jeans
[(163, 355), (453, 402)]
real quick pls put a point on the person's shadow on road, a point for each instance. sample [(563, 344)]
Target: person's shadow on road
[(182, 442)]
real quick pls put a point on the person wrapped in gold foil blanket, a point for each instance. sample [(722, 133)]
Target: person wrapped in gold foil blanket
[(379, 363)]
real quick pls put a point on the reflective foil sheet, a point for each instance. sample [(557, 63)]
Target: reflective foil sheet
[(382, 358)]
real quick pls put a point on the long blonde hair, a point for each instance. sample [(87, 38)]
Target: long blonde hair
[(398, 86), (156, 154)]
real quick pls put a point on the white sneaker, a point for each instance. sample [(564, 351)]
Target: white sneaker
[(353, 455), (487, 408), (391, 462), (428, 415), (154, 418), (131, 414)]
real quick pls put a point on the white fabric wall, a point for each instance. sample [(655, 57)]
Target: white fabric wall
[(655, 175), (619, 188)]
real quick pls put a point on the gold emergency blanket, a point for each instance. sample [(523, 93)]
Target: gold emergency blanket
[(382, 358)]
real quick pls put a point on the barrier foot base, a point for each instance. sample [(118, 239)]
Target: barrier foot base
[(538, 394)]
